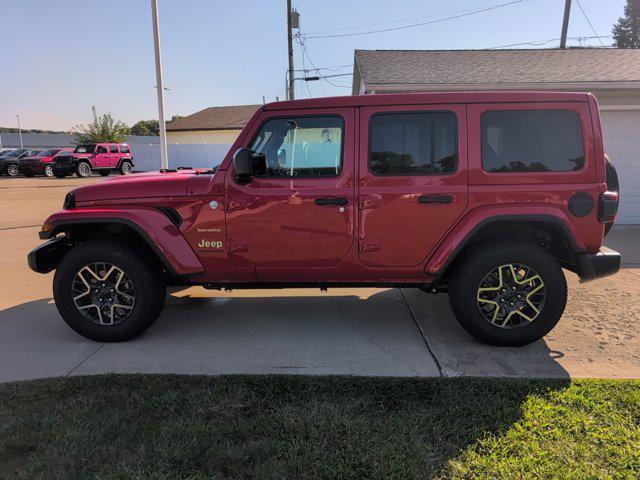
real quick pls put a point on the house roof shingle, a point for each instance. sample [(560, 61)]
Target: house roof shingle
[(469, 67), (215, 118)]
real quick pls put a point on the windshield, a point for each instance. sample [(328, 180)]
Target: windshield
[(89, 148), (48, 153), (16, 153)]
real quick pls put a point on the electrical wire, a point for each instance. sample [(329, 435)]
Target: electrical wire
[(399, 20), (536, 43), (473, 12), (589, 22)]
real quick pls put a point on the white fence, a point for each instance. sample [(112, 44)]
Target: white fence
[(197, 155)]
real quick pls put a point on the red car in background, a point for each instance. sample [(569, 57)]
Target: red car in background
[(40, 164)]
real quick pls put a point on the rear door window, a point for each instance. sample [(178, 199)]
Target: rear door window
[(413, 143), (531, 141), (113, 149)]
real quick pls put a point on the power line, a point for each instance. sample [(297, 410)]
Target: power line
[(399, 20), (589, 22), (537, 43), (474, 12)]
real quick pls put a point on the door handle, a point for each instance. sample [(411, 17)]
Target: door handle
[(435, 199), (330, 201)]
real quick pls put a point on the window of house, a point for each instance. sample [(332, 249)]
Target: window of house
[(301, 146), (531, 141), (415, 143)]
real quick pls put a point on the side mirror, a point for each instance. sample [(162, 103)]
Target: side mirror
[(243, 165)]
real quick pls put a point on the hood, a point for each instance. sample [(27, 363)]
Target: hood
[(137, 185)]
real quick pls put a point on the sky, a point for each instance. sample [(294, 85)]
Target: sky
[(60, 57)]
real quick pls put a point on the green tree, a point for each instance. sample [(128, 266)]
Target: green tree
[(102, 129), (176, 117), (146, 127), (626, 33)]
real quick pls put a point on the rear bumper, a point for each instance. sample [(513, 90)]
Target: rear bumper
[(596, 265), (46, 257)]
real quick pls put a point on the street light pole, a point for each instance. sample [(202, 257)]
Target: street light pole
[(20, 131), (160, 89)]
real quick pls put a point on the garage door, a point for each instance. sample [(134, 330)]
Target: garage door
[(622, 143)]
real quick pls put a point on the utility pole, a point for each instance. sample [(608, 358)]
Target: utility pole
[(565, 24), (20, 131), (290, 90), (164, 160)]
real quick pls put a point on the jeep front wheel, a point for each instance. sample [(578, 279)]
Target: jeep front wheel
[(508, 294), (108, 292), (83, 170), (48, 171)]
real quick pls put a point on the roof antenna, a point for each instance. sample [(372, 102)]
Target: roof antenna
[(263, 100)]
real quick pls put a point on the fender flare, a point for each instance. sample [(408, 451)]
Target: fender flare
[(153, 226), (128, 159), (457, 238)]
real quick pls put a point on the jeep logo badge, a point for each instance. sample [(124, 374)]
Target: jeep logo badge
[(213, 204), (217, 244)]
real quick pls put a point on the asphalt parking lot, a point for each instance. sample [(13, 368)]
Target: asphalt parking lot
[(374, 332)]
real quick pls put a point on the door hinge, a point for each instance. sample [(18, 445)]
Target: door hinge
[(231, 205), (369, 247), (235, 247)]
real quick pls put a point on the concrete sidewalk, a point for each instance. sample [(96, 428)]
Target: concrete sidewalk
[(374, 332)]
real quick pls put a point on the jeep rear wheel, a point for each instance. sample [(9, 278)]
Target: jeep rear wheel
[(125, 168), (508, 294), (83, 170), (106, 292)]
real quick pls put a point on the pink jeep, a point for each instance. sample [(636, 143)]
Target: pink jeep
[(100, 157)]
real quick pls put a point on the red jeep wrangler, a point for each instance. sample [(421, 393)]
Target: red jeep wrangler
[(486, 196), (104, 158)]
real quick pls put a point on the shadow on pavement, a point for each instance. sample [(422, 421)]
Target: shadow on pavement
[(379, 333)]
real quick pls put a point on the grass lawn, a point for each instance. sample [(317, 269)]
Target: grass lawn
[(159, 426)]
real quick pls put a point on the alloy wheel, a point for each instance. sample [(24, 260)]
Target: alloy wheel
[(103, 293), (48, 170), (511, 296), (12, 170), (126, 168), (84, 170)]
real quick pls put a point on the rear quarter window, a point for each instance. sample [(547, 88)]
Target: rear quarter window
[(531, 141)]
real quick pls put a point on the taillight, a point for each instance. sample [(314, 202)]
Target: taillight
[(608, 206)]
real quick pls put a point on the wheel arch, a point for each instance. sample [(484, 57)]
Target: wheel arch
[(153, 232), (546, 230)]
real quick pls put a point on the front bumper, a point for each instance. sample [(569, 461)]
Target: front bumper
[(35, 169), (596, 265), (66, 168), (46, 257)]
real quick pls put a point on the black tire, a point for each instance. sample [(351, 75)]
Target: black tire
[(472, 269), (83, 169), (126, 167), (104, 173), (613, 185), (150, 291), (59, 174), (12, 170)]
